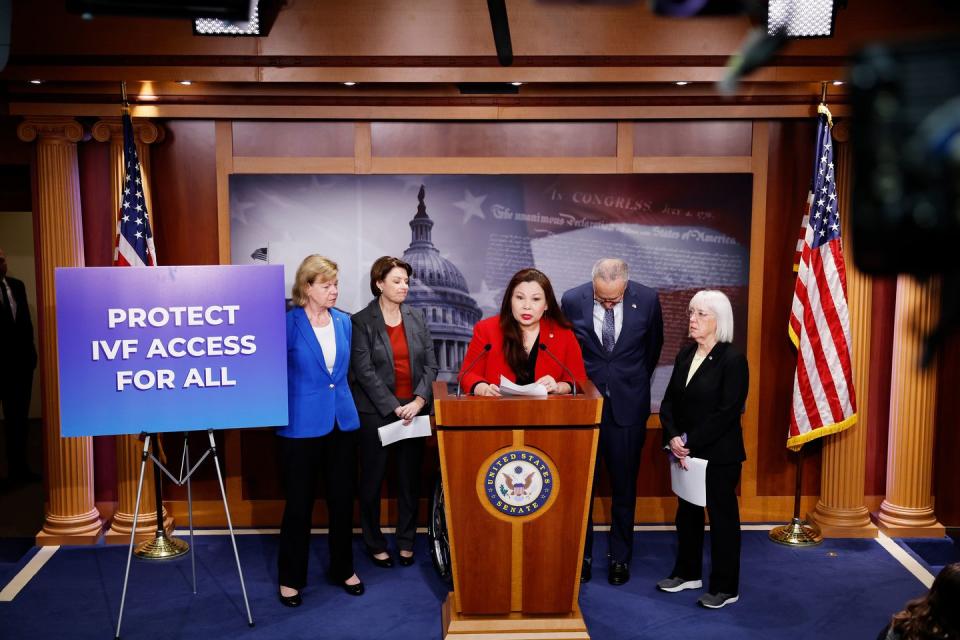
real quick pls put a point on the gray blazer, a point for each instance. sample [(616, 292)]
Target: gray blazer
[(371, 360)]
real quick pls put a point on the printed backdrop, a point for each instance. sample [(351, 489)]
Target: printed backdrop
[(679, 233)]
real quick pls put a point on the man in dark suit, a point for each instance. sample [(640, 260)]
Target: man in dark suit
[(18, 358), (620, 328)]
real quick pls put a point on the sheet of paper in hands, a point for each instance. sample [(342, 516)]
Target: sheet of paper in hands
[(418, 428), (534, 390), (690, 483)]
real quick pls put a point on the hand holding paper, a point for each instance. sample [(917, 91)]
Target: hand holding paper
[(396, 431), (509, 388)]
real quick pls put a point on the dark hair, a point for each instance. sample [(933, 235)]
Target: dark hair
[(381, 267), (510, 328), (935, 615)]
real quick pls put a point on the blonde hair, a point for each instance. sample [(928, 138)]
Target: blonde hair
[(312, 268)]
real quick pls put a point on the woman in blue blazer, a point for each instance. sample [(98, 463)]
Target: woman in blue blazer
[(321, 433)]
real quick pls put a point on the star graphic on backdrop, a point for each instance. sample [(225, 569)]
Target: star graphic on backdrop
[(471, 206), (486, 298)]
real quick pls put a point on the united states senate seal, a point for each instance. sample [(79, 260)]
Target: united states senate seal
[(517, 483)]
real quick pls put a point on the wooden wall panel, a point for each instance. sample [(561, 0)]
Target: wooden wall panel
[(881, 369), (946, 489), (293, 139), (493, 139), (185, 194), (697, 138), (791, 145), (99, 219)]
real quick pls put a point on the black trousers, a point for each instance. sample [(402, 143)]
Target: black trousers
[(15, 392), (724, 513), (408, 457), (301, 459), (620, 447)]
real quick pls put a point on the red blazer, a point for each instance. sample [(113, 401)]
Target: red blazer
[(561, 342)]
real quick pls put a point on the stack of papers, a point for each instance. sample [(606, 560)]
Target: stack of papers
[(534, 390)]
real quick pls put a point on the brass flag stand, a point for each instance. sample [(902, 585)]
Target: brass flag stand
[(161, 547), (171, 546), (799, 533)]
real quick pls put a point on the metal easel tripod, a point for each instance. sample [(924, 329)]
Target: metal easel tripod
[(186, 471)]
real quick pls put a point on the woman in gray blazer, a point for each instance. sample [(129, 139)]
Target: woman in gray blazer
[(392, 367)]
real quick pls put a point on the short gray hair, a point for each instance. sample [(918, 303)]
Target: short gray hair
[(610, 269), (719, 305)]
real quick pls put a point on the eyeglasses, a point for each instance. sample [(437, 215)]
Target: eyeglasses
[(700, 315), (615, 300)]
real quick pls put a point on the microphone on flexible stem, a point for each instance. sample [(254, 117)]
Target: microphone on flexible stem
[(573, 384), (486, 350)]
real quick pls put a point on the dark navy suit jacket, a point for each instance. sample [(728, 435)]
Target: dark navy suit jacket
[(317, 398), (623, 376)]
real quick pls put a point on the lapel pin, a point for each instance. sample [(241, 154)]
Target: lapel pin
[(634, 305), (551, 335)]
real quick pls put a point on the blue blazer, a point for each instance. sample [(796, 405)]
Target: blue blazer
[(318, 399), (623, 376)]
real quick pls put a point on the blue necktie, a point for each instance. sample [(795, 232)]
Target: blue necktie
[(608, 332)]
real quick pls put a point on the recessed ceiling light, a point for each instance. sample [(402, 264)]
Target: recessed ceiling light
[(837, 83), (36, 82), (185, 83), (517, 84), (349, 84), (681, 83)]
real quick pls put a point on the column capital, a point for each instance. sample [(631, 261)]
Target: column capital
[(144, 131), (53, 128)]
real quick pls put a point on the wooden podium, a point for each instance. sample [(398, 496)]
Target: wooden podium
[(517, 475)]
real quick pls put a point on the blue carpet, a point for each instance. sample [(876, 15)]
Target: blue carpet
[(935, 552), (14, 553), (841, 589)]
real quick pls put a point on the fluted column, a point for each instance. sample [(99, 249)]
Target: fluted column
[(129, 448), (907, 510), (840, 511), (71, 515)]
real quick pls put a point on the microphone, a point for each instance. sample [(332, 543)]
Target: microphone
[(573, 383), (486, 350)]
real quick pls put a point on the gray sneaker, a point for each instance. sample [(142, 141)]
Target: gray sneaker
[(672, 585), (717, 600)]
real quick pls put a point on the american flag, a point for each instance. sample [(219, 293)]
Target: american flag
[(824, 401), (134, 235)]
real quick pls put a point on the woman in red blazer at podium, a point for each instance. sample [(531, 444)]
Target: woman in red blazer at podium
[(526, 343)]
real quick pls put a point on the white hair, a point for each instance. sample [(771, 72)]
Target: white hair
[(719, 305), (610, 269)]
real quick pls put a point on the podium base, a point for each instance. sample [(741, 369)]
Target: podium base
[(515, 626)]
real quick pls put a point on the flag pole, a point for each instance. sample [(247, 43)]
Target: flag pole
[(800, 533)]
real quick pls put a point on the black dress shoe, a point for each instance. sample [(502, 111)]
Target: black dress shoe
[(291, 601), (586, 570), (384, 563), (619, 573), (353, 589), (406, 561)]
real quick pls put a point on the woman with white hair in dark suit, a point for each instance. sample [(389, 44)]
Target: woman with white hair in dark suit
[(700, 414)]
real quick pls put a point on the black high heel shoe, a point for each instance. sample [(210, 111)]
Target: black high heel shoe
[(406, 561), (291, 601), (351, 589), (384, 563)]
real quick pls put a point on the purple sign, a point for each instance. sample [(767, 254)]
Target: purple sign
[(170, 348)]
